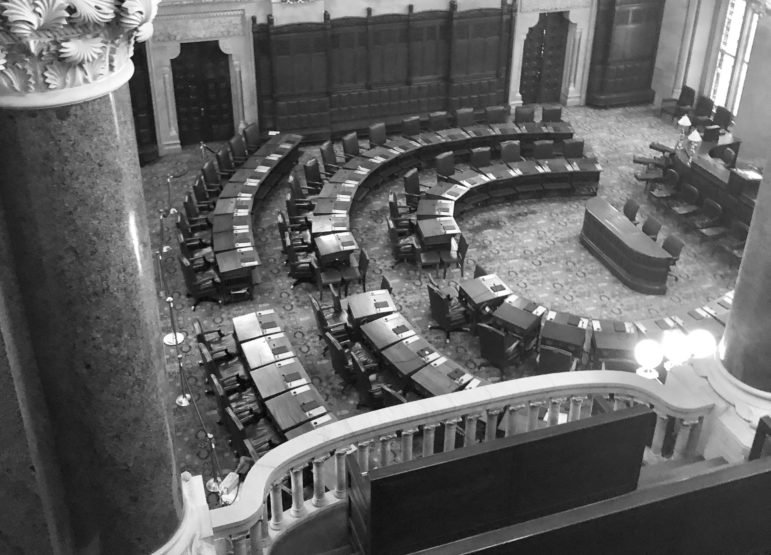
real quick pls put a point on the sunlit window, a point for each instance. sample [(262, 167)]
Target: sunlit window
[(733, 55)]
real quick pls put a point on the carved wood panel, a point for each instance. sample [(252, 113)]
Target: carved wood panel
[(543, 59)]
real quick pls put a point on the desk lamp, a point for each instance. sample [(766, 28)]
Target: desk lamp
[(694, 140), (684, 125), (648, 354)]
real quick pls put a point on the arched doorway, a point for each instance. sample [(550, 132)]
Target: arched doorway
[(543, 59), (201, 76)]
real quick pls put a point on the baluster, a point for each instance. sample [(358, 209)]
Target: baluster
[(407, 438), (241, 545), (470, 430), (319, 498), (659, 433), (450, 427), (491, 426), (385, 448), (429, 432), (341, 480), (276, 507), (576, 403), (363, 455), (619, 402), (260, 538), (534, 410), (515, 420), (682, 442), (298, 503), (553, 413)]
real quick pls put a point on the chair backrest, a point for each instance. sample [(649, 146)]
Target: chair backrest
[(712, 209), (252, 137), (462, 249), (438, 120), (480, 157), (464, 117), (553, 359), (351, 144), (337, 357), (385, 283), (673, 245), (651, 227), (183, 246), (492, 344), (704, 105), (391, 397), (393, 207), (723, 117), (438, 305), (318, 315), (200, 335), (199, 189), (479, 271), (524, 114), (445, 164), (281, 223), (224, 161), (312, 172), (328, 156), (729, 157), (710, 134), (630, 209), (411, 126), (573, 148), (510, 152), (363, 264), (543, 149), (551, 113), (412, 182), (671, 178), (210, 175), (237, 146), (184, 226), (191, 209), (687, 96), (496, 114), (690, 194), (296, 189), (393, 233), (377, 134), (188, 273)]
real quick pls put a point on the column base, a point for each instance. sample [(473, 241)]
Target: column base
[(516, 100), (750, 403)]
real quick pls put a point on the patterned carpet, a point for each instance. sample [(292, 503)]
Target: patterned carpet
[(533, 245)]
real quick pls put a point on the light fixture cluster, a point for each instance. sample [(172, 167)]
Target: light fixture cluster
[(675, 347)]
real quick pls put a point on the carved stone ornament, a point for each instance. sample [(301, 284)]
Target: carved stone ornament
[(56, 52), (762, 7)]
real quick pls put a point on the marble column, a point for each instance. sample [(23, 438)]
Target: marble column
[(748, 335), (79, 250)]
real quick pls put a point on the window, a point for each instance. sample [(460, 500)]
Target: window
[(733, 54)]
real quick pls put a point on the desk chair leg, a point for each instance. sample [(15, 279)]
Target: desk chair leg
[(448, 331)]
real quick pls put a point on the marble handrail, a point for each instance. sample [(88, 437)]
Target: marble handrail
[(672, 400), (194, 533)]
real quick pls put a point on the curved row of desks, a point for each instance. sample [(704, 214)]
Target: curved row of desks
[(232, 236)]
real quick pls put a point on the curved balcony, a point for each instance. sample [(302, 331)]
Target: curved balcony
[(391, 435)]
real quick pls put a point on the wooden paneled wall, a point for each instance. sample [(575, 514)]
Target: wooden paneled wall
[(327, 78)]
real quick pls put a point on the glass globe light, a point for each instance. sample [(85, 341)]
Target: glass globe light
[(675, 346), (702, 343), (648, 353)]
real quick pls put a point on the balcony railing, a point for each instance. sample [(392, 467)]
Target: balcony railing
[(404, 432)]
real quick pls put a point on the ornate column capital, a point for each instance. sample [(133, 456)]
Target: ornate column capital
[(60, 52)]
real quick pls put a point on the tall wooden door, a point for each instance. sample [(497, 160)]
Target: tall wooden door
[(142, 106), (543, 59), (202, 91)]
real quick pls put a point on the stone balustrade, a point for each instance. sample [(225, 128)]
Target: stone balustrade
[(400, 433)]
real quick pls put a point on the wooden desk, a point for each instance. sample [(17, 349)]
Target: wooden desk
[(409, 355), (483, 292), (328, 223), (363, 307), (434, 208), (446, 191), (335, 247), (386, 331), (266, 350), (302, 404), (564, 336), (333, 189), (256, 324), (437, 233), (443, 376), (237, 262), (279, 378), (230, 240), (518, 321), (339, 205), (236, 190), (625, 250)]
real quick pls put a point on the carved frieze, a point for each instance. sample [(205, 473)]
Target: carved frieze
[(178, 27), (52, 45), (552, 5)]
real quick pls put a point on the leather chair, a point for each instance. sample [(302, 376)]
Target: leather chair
[(438, 120), (229, 371), (294, 235), (710, 215), (211, 176), (203, 199), (551, 114), (385, 284), (464, 117), (723, 117), (510, 152), (497, 347), (193, 212), (733, 242), (676, 107), (651, 227), (479, 271), (687, 201), (252, 137), (573, 148), (199, 233), (702, 111), (668, 187), (199, 255), (325, 276), (300, 266), (377, 134), (312, 171), (357, 272), (201, 286), (543, 149), (448, 316), (524, 114), (411, 126), (402, 248), (674, 246), (350, 145), (630, 210), (480, 157), (337, 327), (553, 359), (367, 382), (238, 150), (496, 114), (225, 166), (445, 166), (457, 258), (400, 215), (221, 345), (425, 259), (329, 158)]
